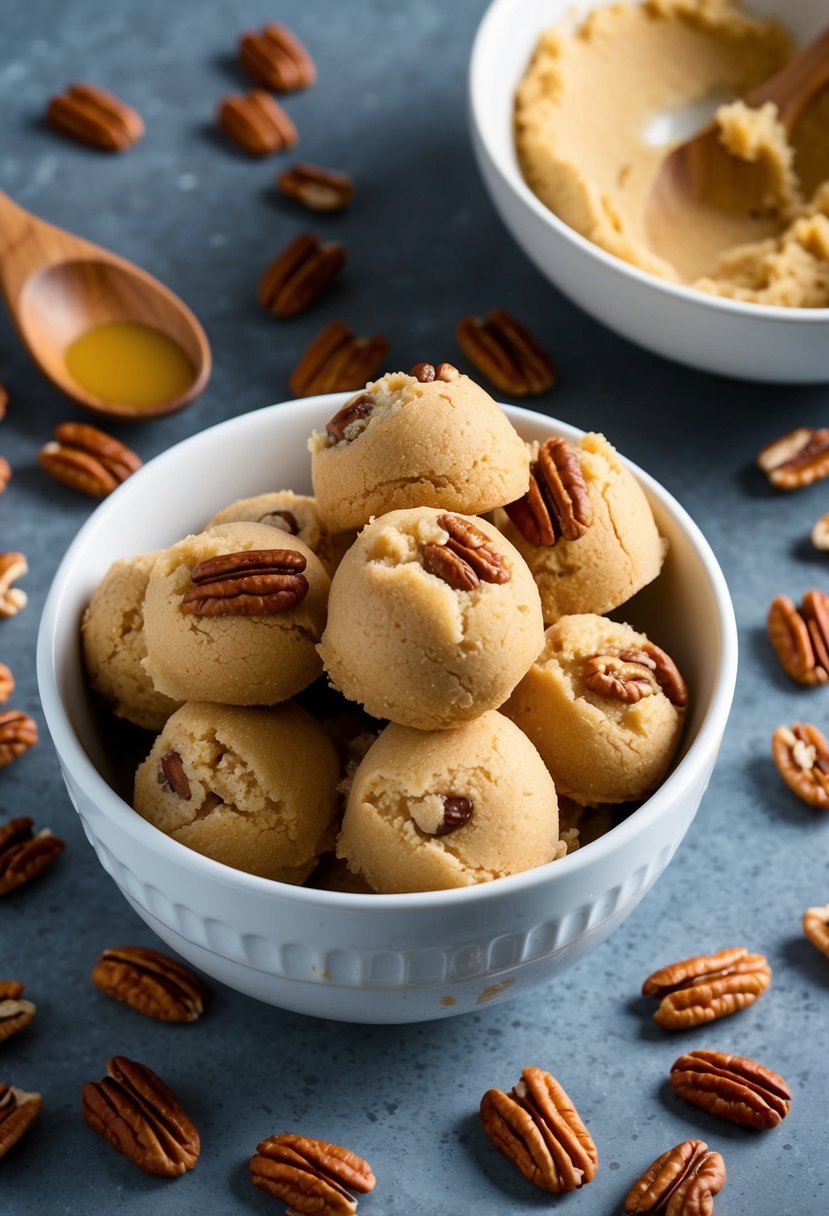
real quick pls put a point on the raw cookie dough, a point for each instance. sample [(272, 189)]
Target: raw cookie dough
[(411, 443), (113, 642), (235, 660), (619, 552), (482, 785), (600, 748), (408, 646), (253, 788), (289, 512)]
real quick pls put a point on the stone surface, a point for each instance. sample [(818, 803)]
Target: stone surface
[(425, 248)]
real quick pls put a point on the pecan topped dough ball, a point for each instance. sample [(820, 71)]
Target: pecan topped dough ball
[(433, 619), (604, 706), (289, 512), (430, 439), (233, 615)]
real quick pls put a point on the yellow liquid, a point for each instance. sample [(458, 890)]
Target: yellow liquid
[(126, 363)]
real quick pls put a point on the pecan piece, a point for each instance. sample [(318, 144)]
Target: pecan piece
[(301, 275), (732, 1087), (5, 474), (276, 59), (438, 815), (6, 685), (94, 116), (351, 419), (4, 401), (254, 582), (12, 567), (87, 459), (15, 1014), (621, 676), (150, 983), (466, 558), (537, 1127), (18, 732), (801, 638), (796, 459), (506, 352), (256, 123), (315, 187), (711, 986), (557, 503), (802, 758), (427, 372), (18, 1111), (139, 1115), (816, 927), (172, 768), (456, 812), (820, 533), (22, 855), (337, 360), (311, 1176), (682, 1182), (284, 521)]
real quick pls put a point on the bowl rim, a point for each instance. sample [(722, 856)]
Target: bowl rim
[(83, 773), (477, 82)]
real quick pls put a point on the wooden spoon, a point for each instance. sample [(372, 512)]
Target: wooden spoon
[(705, 200), (58, 286)]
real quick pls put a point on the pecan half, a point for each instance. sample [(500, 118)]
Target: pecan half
[(5, 474), (139, 1115), (682, 1182), (315, 187), (18, 732), (732, 1087), (276, 59), (6, 685), (557, 503), (816, 927), (15, 1014), (256, 123), (150, 983), (12, 567), (301, 275), (537, 1127), (311, 1176), (466, 558), (172, 769), (18, 1111), (22, 855), (337, 360), (801, 638), (427, 372), (95, 117), (629, 674), (706, 987), (796, 459), (87, 459), (254, 582), (802, 758), (506, 352)]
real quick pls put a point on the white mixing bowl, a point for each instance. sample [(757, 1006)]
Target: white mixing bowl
[(755, 342), (369, 958)]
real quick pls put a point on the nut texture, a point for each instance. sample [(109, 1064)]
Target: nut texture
[(796, 459), (6, 684), (142, 1118), (22, 855), (301, 275), (351, 419), (427, 372), (256, 124), (12, 567), (466, 558), (337, 360), (276, 59), (682, 1182), (18, 732), (95, 117), (150, 983), (18, 1111), (311, 1176), (254, 582), (557, 503), (317, 188), (630, 674), (15, 1013), (506, 352), (801, 637), (802, 758), (537, 1127), (87, 459), (732, 1087), (707, 987), (816, 927)]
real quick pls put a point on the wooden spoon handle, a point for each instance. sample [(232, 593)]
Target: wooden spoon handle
[(798, 84)]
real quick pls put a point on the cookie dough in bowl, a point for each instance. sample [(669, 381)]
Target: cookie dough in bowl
[(289, 512)]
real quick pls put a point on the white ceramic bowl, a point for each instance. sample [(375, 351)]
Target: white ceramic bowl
[(756, 342), (369, 958)]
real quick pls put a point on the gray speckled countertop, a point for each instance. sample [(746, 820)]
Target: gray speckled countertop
[(424, 247)]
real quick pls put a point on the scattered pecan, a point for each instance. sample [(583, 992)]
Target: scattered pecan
[(87, 459), (139, 1115), (301, 275), (537, 1127), (18, 1111), (12, 567), (311, 1176), (337, 360), (732, 1087), (801, 638), (150, 983), (15, 1014), (796, 459), (5, 474), (18, 732), (256, 123), (350, 419), (6, 685), (506, 352), (711, 986), (820, 533), (4, 401), (254, 582), (557, 503), (427, 372), (466, 558), (22, 855), (172, 768), (816, 927), (94, 116), (682, 1182), (315, 187), (276, 59), (802, 758)]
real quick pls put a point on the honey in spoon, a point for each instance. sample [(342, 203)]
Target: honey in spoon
[(129, 362)]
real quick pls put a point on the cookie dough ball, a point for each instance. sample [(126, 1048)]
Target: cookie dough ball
[(410, 441), (433, 619), (430, 810), (253, 788), (604, 706), (587, 531), (206, 647), (293, 513), (114, 646)]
